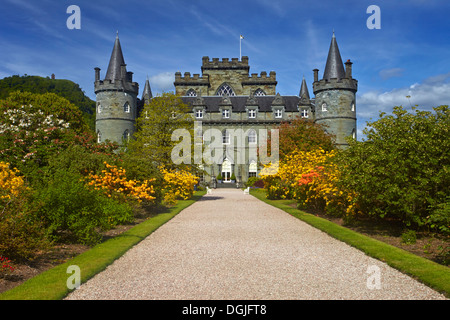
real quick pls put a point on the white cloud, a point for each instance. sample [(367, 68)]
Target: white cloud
[(390, 73), (162, 82), (432, 92)]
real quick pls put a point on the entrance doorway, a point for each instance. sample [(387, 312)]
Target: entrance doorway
[(226, 171)]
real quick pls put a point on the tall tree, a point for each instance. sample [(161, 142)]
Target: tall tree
[(157, 123)]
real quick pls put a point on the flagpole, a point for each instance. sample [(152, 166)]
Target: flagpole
[(240, 46)]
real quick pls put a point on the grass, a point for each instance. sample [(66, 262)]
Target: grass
[(428, 272), (51, 284)]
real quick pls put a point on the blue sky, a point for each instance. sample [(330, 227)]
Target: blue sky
[(409, 55)]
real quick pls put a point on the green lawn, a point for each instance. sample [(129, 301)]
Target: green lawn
[(51, 284), (428, 272)]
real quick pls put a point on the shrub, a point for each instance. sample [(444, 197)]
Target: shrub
[(66, 205), (409, 237)]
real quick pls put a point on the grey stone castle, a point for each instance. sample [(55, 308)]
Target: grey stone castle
[(227, 97)]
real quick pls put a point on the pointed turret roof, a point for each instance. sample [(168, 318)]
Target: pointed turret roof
[(334, 67), (304, 93), (147, 93), (116, 61)]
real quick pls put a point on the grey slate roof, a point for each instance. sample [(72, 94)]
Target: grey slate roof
[(115, 63), (334, 67), (239, 103)]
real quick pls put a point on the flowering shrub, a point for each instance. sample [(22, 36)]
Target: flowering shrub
[(5, 266), (178, 184), (10, 183), (115, 184)]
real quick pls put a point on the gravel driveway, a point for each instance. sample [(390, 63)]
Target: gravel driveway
[(233, 246)]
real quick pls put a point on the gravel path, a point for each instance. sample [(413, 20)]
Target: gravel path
[(233, 246)]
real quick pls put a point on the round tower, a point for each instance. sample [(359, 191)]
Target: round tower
[(335, 103), (116, 96)]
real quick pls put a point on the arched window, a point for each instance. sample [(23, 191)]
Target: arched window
[(126, 107), (259, 93), (126, 135), (353, 106), (191, 93), (99, 108), (99, 136), (324, 107), (225, 89), (252, 138), (354, 134), (252, 169)]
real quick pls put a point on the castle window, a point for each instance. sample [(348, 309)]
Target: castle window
[(126, 107), (259, 93), (252, 137), (225, 113), (225, 89), (199, 113), (191, 93), (354, 134), (126, 135), (252, 113), (99, 137), (324, 107), (278, 113), (252, 169), (99, 108), (353, 106), (226, 137), (304, 113)]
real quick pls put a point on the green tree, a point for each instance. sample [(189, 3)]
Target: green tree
[(402, 170), (158, 121)]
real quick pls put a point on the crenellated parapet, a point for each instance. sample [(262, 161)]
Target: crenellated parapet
[(225, 64)]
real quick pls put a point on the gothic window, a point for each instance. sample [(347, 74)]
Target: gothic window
[(191, 93), (225, 113), (324, 107), (278, 113), (252, 113), (199, 113), (226, 137), (126, 135), (99, 136), (126, 107), (225, 89), (259, 93), (252, 137)]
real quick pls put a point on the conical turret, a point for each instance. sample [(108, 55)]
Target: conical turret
[(304, 94), (334, 67), (147, 94), (116, 62)]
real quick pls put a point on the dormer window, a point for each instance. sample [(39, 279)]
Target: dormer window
[(199, 113), (252, 114), (225, 113), (304, 113), (278, 113)]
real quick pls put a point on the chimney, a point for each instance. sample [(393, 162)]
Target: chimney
[(348, 69), (97, 73), (316, 75)]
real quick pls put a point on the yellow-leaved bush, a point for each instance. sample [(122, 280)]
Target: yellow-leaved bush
[(178, 184), (114, 182), (11, 184), (312, 178)]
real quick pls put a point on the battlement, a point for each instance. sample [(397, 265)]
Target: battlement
[(188, 79), (118, 85), (261, 79), (345, 83), (225, 63)]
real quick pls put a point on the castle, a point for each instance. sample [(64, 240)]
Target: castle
[(227, 97)]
